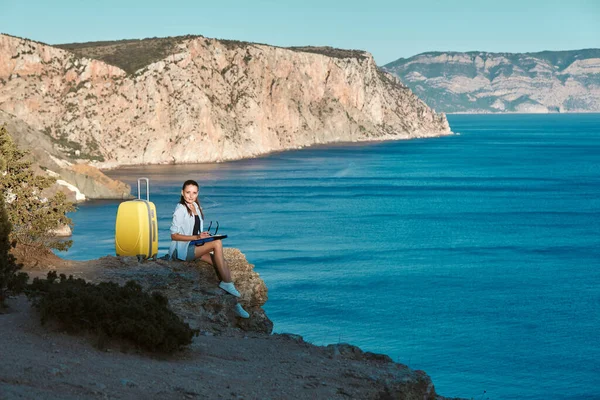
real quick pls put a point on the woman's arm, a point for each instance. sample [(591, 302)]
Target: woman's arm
[(188, 238), (178, 232), (178, 225)]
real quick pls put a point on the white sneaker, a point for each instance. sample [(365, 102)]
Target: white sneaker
[(229, 288), (240, 312)]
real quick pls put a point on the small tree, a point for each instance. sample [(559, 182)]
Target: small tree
[(10, 281), (33, 217)]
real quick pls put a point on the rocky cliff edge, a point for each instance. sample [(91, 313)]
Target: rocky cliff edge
[(231, 358), (206, 101), (79, 182)]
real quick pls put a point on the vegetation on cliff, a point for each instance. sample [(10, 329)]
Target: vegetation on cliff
[(33, 218), (332, 52), (132, 55), (129, 55), (234, 99), (107, 309), (11, 281), (111, 312)]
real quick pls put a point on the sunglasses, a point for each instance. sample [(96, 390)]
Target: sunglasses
[(216, 229)]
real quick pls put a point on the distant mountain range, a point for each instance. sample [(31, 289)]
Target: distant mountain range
[(481, 82)]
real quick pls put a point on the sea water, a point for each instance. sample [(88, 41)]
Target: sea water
[(474, 257)]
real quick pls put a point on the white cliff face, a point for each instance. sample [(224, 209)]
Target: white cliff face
[(567, 81), (209, 101)]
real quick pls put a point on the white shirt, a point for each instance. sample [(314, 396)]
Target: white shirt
[(183, 223)]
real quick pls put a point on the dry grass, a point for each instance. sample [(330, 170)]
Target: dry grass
[(131, 55)]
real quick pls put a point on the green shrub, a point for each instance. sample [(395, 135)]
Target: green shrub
[(11, 282), (33, 217), (111, 311)]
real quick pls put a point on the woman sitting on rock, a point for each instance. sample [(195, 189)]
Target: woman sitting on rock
[(188, 225)]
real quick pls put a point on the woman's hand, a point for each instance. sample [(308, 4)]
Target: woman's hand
[(204, 235)]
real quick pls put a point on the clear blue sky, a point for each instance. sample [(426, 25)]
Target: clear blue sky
[(389, 29)]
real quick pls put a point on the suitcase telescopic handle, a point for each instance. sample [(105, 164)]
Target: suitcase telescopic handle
[(147, 188)]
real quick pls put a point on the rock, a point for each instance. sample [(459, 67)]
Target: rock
[(218, 362), (228, 101), (63, 231), (128, 383), (292, 336), (352, 352), (191, 288), (95, 184), (482, 82), (56, 372), (77, 181), (38, 262)]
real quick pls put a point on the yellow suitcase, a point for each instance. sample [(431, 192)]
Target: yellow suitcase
[(136, 229)]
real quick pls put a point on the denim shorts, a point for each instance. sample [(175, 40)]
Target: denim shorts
[(190, 256)]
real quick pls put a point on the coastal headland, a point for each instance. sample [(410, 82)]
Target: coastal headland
[(230, 358), (480, 82), (192, 99)]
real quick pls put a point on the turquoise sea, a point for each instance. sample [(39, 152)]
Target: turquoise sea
[(475, 257)]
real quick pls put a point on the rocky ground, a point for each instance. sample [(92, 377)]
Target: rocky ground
[(232, 358)]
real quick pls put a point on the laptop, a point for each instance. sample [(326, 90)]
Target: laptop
[(200, 242)]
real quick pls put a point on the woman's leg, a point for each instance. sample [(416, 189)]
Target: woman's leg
[(219, 259), (212, 253), (208, 258)]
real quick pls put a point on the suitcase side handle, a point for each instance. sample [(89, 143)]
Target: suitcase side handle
[(147, 188)]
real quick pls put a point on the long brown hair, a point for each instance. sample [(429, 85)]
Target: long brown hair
[(182, 200)]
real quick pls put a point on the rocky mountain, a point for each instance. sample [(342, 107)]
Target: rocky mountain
[(480, 82), (79, 182), (194, 99)]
